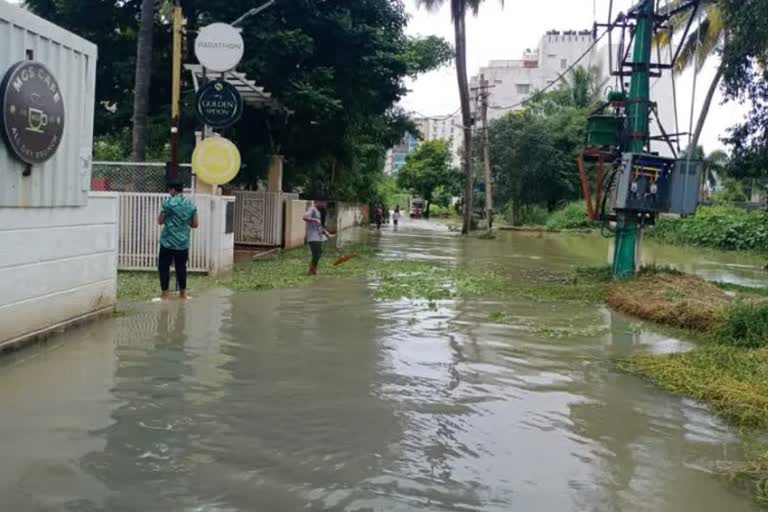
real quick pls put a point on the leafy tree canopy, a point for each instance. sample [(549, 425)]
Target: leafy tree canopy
[(336, 69), (427, 171), (745, 57)]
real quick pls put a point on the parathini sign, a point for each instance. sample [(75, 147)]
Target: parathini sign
[(219, 105), (32, 112), (219, 47)]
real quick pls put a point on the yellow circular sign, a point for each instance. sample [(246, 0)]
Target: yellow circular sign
[(216, 161)]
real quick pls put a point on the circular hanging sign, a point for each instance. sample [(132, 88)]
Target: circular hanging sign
[(33, 111), (219, 47), (219, 105), (216, 161)]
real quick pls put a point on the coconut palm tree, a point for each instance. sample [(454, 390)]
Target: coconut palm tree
[(143, 79), (704, 41), (459, 10)]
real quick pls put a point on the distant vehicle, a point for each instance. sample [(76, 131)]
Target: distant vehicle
[(416, 206)]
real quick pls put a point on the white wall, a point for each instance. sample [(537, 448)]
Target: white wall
[(56, 264), (222, 244)]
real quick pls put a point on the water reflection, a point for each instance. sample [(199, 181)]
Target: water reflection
[(325, 399)]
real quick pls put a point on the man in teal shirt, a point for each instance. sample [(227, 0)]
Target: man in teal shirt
[(178, 216)]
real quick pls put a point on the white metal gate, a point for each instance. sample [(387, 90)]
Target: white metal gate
[(140, 233), (259, 217)]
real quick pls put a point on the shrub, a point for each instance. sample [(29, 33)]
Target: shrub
[(719, 227), (745, 325), (572, 216)]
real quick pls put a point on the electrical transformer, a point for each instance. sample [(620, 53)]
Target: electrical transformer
[(653, 184)]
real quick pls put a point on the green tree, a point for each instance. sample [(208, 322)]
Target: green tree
[(534, 150), (459, 10), (745, 57), (706, 40), (335, 70), (143, 79), (427, 171)]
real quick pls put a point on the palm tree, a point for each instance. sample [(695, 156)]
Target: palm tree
[(705, 40), (459, 10), (143, 79)]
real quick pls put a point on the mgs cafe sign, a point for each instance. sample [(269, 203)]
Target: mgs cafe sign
[(32, 112)]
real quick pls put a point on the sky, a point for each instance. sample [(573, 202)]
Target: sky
[(504, 33)]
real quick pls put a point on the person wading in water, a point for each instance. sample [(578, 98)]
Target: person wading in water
[(177, 216), (316, 233)]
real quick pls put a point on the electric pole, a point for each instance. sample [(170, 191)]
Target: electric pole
[(628, 230), (482, 93)]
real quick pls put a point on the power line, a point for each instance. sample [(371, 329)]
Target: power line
[(436, 118), (556, 80)]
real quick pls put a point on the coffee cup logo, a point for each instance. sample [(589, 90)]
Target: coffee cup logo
[(32, 112), (37, 120)]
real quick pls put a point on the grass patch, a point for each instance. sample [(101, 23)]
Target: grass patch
[(732, 380), (670, 298), (391, 279)]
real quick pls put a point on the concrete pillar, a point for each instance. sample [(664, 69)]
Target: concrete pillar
[(275, 177)]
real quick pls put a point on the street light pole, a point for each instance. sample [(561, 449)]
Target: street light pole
[(253, 12)]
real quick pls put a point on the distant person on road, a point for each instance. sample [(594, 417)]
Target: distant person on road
[(396, 215), (378, 217), (178, 216), (316, 233)]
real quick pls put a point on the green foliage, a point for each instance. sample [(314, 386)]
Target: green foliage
[(336, 69), (532, 215), (428, 169), (718, 227), (572, 216), (745, 325), (745, 63), (733, 191), (534, 150), (442, 211)]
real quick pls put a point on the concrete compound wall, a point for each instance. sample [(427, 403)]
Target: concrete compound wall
[(349, 215), (57, 265), (294, 225)]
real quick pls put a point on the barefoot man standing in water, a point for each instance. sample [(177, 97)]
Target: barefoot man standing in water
[(178, 216)]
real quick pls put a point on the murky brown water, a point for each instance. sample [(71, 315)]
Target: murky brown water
[(324, 399)]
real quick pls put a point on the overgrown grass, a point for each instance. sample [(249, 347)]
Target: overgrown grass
[(718, 227), (392, 279), (572, 216)]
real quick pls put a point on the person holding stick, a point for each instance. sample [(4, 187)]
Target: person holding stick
[(316, 233)]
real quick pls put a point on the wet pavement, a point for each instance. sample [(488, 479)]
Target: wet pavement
[(325, 399)]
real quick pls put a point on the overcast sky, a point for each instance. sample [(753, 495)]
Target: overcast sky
[(505, 33), (498, 33)]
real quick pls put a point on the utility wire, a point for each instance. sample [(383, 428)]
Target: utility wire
[(558, 79)]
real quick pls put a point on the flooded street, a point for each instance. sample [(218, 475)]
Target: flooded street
[(326, 399)]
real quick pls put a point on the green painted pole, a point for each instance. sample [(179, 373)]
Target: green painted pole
[(638, 110)]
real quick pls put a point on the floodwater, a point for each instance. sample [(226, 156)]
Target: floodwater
[(323, 399)]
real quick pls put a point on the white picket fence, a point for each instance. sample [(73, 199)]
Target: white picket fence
[(140, 232)]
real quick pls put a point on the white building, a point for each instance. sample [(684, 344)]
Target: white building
[(445, 128), (513, 81)]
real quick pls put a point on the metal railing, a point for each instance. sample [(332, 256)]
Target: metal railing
[(135, 176)]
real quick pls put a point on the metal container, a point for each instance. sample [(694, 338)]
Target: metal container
[(603, 130), (63, 180)]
